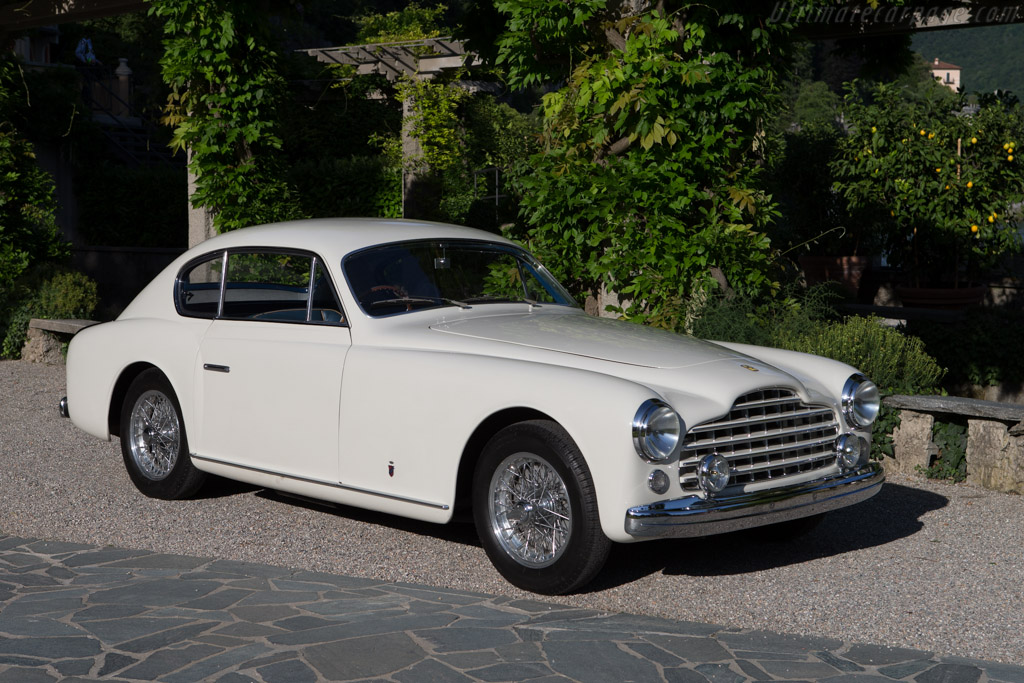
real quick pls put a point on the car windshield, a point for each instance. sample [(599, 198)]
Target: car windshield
[(410, 276)]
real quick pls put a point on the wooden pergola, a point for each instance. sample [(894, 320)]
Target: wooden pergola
[(421, 59), (417, 58)]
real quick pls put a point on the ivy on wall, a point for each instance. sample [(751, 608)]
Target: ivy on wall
[(225, 89), (649, 179)]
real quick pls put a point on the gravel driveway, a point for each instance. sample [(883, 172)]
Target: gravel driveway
[(922, 565)]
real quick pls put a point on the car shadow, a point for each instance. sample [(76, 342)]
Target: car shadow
[(219, 487), (894, 513), (458, 531)]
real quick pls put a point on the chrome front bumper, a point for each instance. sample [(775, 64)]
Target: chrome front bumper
[(697, 516)]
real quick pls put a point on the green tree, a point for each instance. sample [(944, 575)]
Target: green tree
[(648, 181), (219, 63), (28, 227), (940, 182)]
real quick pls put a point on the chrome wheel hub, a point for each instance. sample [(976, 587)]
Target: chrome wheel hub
[(155, 435), (529, 510)]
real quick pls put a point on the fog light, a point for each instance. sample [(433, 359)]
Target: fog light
[(658, 482), (850, 451), (713, 473)]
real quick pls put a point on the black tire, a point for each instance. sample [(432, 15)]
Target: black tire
[(538, 462), (153, 440)]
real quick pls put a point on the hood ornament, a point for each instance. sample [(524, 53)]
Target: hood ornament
[(749, 367)]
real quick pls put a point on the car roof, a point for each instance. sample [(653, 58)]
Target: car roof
[(335, 237)]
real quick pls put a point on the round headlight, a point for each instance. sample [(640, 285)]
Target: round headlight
[(851, 451), (860, 401), (713, 473), (657, 430)]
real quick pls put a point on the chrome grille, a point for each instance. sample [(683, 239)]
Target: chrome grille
[(768, 434)]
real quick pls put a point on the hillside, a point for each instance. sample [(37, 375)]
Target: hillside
[(991, 57)]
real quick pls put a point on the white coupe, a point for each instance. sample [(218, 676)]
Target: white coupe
[(418, 369)]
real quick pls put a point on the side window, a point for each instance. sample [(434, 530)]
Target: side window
[(198, 292), (267, 286)]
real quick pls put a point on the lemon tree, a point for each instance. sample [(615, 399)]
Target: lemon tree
[(940, 181)]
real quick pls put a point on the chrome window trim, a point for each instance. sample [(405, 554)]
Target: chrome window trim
[(225, 254), (521, 255)]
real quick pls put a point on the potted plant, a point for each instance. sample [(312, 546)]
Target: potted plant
[(941, 180)]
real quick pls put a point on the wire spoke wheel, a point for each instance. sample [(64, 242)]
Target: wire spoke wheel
[(154, 443), (155, 435), (530, 513), (536, 510)]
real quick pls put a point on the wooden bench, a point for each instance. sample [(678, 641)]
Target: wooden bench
[(995, 438), (46, 338)]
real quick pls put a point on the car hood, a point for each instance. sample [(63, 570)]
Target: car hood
[(600, 338)]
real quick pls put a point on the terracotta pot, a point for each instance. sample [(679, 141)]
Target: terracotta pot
[(846, 270), (944, 298)]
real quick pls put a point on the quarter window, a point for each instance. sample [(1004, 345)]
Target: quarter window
[(199, 288)]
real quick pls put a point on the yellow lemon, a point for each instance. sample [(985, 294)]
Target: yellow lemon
[(991, 219), (938, 170), (873, 129), (974, 141), (922, 131), (931, 135), (974, 228), (970, 184), (1009, 158)]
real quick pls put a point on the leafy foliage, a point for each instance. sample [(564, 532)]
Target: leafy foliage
[(410, 23), (432, 119), (940, 184), (647, 180), (896, 362), (46, 292), (225, 84), (982, 349), (951, 462), (28, 228)]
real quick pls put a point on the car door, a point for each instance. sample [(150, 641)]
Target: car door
[(269, 369)]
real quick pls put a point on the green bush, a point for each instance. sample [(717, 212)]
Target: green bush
[(357, 186), (47, 292), (951, 463), (896, 362), (982, 349)]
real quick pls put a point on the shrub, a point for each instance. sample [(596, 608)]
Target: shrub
[(46, 293), (982, 349), (896, 362)]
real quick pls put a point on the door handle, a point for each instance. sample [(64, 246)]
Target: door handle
[(212, 367)]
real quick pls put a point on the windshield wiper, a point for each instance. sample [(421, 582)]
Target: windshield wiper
[(419, 300)]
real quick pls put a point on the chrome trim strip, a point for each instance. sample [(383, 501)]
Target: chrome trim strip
[(762, 436), (62, 407), (699, 516), (213, 367), (807, 412), (332, 484)]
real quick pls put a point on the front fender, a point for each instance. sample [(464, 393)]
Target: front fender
[(407, 415)]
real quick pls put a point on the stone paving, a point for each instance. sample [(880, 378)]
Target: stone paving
[(73, 612)]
